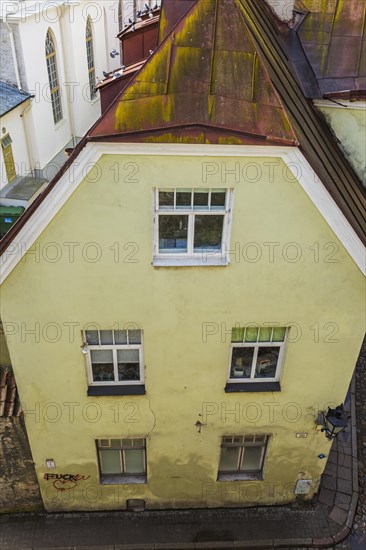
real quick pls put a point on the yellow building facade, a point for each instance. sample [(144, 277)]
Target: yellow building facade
[(178, 435)]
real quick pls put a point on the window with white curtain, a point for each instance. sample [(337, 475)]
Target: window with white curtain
[(114, 357)]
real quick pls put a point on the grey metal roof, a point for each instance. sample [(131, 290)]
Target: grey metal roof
[(11, 97)]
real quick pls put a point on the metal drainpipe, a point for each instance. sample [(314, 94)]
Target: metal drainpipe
[(27, 137), (69, 109), (14, 55)]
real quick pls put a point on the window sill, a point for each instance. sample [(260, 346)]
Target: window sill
[(240, 477), (189, 261), (123, 480), (59, 124), (252, 387), (128, 389)]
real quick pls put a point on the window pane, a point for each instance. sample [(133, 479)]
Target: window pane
[(104, 442), (241, 362), (237, 334), (106, 337), (166, 199), (134, 461), (102, 365), (92, 337), (278, 334), (251, 459), (183, 198), (116, 443), (120, 337), (229, 459), (128, 356), (173, 232), (134, 336), (207, 233), (200, 200), (265, 334), (128, 364), (218, 199), (251, 334), (267, 360), (110, 462)]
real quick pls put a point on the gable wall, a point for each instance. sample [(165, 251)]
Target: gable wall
[(321, 296)]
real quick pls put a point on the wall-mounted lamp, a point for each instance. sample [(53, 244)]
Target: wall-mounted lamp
[(334, 422), (84, 348)]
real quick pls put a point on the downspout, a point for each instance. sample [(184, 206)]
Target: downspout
[(13, 52), (27, 137), (69, 110)]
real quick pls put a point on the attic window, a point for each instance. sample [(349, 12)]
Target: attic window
[(191, 226)]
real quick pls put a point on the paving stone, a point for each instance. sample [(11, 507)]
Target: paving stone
[(324, 542), (344, 473), (344, 486), (326, 496), (332, 459), (342, 501), (338, 515), (329, 482), (345, 460), (330, 469), (343, 534)]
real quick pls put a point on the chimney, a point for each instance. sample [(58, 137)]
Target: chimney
[(282, 8)]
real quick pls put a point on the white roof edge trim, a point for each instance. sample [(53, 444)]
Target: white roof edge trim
[(47, 210), (328, 208), (340, 104), (92, 152)]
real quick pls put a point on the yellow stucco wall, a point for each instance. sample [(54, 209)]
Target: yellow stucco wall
[(349, 125), (321, 296)]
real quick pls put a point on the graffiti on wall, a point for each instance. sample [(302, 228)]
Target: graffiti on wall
[(65, 482)]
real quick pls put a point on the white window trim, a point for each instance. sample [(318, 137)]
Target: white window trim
[(114, 348), (256, 345), (191, 258)]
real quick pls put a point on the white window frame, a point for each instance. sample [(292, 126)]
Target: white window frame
[(191, 258), (256, 346), (242, 446), (114, 348)]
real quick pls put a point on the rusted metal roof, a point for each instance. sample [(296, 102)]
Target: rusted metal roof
[(141, 25), (206, 72), (315, 138), (171, 12), (9, 399), (333, 35), (116, 74), (224, 75)]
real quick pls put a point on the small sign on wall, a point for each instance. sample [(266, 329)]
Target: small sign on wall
[(303, 486)]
